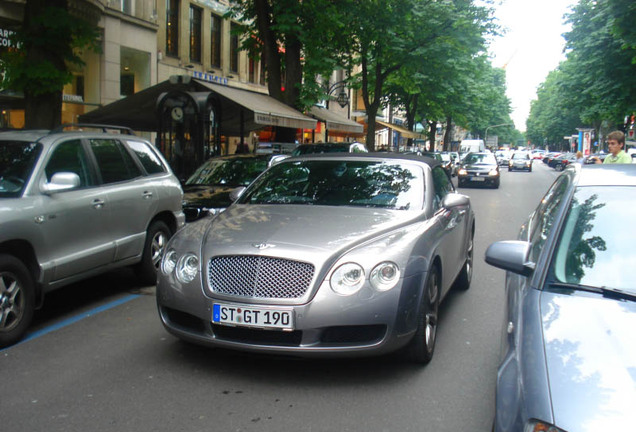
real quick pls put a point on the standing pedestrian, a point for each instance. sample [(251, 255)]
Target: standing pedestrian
[(615, 144)]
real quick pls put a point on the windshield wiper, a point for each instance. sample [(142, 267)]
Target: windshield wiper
[(613, 293)]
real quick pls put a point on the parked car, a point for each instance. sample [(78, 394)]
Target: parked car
[(272, 148), (552, 162), (340, 147), (207, 191), (520, 160), (337, 254), (537, 154), (76, 204), (560, 162), (479, 169), (568, 347), (448, 164), (548, 157), (591, 159)]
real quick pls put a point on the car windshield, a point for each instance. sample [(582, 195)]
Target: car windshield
[(520, 156), (480, 159), (595, 248), (320, 148), (17, 159), (240, 171), (340, 183)]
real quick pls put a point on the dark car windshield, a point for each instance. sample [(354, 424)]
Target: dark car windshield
[(340, 183), (320, 148), (17, 159), (596, 248), (480, 158), (239, 171)]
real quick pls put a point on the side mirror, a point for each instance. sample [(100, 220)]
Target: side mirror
[(452, 200), (236, 193), (60, 182), (510, 255), (276, 159)]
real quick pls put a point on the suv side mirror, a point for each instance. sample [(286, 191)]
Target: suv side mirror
[(60, 182)]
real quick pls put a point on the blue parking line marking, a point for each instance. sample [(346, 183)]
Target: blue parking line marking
[(74, 319)]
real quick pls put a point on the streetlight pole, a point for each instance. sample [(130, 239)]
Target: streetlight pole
[(495, 126), (342, 99)]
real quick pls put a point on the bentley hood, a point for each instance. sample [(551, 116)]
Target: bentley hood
[(591, 361), (298, 231)]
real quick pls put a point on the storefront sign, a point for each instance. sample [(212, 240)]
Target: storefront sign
[(209, 77), (72, 98), (5, 39)]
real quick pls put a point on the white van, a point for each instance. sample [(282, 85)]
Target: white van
[(472, 145)]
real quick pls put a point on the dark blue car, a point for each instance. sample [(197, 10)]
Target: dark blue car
[(569, 350)]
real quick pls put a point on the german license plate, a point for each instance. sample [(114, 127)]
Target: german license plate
[(478, 179), (248, 316)]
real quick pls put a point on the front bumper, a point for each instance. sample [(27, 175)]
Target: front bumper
[(367, 323)]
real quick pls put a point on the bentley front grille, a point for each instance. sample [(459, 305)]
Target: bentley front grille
[(259, 277)]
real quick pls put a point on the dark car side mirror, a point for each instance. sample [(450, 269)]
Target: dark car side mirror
[(510, 255), (236, 193)]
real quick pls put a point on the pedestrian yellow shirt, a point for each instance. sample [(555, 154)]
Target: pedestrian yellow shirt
[(620, 158)]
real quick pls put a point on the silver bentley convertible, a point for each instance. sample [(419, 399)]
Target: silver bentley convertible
[(323, 255)]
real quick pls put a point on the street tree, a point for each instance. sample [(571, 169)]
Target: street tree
[(293, 39), (47, 46)]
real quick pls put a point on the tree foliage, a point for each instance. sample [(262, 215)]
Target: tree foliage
[(47, 45), (596, 85)]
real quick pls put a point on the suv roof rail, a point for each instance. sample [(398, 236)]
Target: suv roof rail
[(103, 127)]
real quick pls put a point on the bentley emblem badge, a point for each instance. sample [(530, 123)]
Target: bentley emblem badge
[(262, 246)]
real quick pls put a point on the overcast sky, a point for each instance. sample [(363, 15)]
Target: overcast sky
[(531, 47)]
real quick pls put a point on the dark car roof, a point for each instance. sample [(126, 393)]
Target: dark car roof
[(372, 155)]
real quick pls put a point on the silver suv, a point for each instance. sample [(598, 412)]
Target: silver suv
[(76, 204)]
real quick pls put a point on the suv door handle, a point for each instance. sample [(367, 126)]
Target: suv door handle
[(98, 203), (147, 195)]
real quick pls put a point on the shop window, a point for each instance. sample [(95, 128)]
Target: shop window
[(127, 84), (234, 49), (215, 41), (195, 34), (172, 27)]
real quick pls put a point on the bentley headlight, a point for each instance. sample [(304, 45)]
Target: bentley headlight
[(169, 262), (385, 276), (347, 279), (187, 268), (493, 172)]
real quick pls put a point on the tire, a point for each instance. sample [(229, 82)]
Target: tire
[(157, 237), (558, 167), (17, 300), (421, 348), (465, 276), (496, 184)]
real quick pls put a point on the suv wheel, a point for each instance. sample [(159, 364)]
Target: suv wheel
[(17, 300), (157, 238)]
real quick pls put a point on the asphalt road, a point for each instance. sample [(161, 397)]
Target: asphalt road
[(98, 359)]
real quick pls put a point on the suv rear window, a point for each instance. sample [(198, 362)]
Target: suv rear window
[(151, 163), (114, 161)]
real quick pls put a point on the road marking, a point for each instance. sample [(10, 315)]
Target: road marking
[(74, 319)]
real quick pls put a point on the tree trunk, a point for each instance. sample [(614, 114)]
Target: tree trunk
[(432, 131), (42, 111), (447, 133)]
